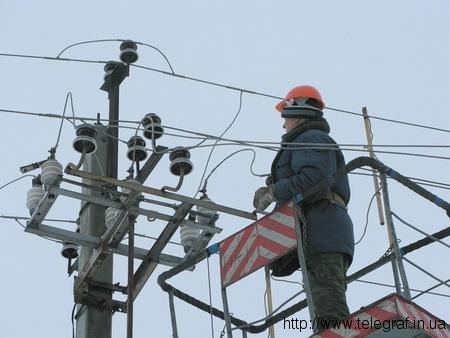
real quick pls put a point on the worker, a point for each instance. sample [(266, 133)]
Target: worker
[(329, 242)]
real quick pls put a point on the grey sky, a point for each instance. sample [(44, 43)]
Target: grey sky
[(392, 57)]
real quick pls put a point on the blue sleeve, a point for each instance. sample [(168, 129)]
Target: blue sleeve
[(309, 167)]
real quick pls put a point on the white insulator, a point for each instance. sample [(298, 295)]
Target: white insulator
[(34, 195), (110, 216), (51, 172), (189, 236), (208, 215), (127, 191)]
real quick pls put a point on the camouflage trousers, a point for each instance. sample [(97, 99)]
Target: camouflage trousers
[(326, 274)]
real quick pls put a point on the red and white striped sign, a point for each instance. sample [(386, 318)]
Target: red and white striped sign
[(257, 245), (385, 317)]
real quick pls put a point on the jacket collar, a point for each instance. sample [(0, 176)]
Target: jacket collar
[(313, 123), (316, 123)]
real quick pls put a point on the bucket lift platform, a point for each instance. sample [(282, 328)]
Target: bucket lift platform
[(390, 317)]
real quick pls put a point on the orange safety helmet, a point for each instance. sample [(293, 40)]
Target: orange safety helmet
[(300, 99)]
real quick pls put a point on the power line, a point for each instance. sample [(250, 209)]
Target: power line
[(391, 120), (393, 286), (285, 281), (221, 135), (68, 96), (420, 231), (273, 312), (212, 137), (117, 40), (45, 237), (155, 238), (319, 145), (420, 181), (226, 158), (23, 218), (15, 180), (367, 216), (72, 319), (307, 147), (51, 58), (417, 125)]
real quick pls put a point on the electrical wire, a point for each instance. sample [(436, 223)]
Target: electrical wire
[(243, 90), (281, 144), (51, 58), (23, 218), (20, 223), (69, 95), (273, 312), (307, 147), (118, 40), (418, 181), (367, 216), (221, 135), (285, 281), (251, 143), (15, 180), (160, 52), (414, 178), (393, 286), (154, 238), (423, 184), (390, 120), (419, 230), (226, 158), (72, 319), (44, 237)]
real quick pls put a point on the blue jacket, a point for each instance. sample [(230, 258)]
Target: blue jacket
[(329, 227)]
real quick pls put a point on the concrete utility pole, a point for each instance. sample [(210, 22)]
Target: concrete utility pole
[(93, 321), (96, 320)]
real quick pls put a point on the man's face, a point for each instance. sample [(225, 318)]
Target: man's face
[(290, 123)]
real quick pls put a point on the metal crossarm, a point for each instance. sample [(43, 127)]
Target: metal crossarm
[(43, 207), (150, 262), (93, 242), (102, 251), (71, 170)]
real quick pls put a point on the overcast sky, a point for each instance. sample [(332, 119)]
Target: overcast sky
[(392, 57)]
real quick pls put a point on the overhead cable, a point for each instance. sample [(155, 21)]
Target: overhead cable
[(117, 40), (420, 231), (391, 120), (393, 286), (223, 86), (45, 237), (367, 217), (221, 135), (15, 180), (413, 180), (68, 96), (23, 218), (212, 137)]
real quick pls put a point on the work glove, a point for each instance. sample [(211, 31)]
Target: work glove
[(263, 197)]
